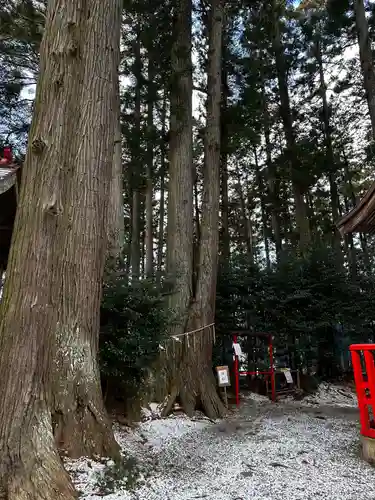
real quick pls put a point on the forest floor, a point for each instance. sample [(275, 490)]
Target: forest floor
[(306, 450)]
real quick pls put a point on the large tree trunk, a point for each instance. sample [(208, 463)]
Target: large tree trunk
[(50, 309), (115, 221), (136, 173), (286, 116), (149, 234), (224, 147), (190, 371), (180, 189), (330, 157), (180, 193), (203, 386), (196, 227), (366, 57), (81, 425), (263, 208), (162, 190), (273, 182)]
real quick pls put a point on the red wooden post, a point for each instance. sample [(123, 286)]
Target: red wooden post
[(236, 374), (361, 394), (365, 388), (273, 385)]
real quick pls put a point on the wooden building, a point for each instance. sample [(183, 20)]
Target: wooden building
[(9, 186), (361, 219)]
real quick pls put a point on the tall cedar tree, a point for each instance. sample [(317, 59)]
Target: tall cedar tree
[(49, 378), (190, 366)]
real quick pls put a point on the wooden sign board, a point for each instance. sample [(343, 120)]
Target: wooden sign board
[(237, 349), (223, 377), (288, 375)]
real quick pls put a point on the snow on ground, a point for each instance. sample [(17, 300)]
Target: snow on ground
[(335, 395), (285, 451)]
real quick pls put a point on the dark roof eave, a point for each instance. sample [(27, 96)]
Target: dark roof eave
[(362, 217)]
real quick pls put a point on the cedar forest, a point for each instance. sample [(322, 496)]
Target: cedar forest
[(184, 163)]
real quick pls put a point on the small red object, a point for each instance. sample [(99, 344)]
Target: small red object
[(8, 154), (365, 385)]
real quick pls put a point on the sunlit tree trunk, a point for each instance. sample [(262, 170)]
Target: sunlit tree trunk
[(191, 376), (49, 378)]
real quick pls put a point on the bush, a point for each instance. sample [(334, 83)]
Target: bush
[(124, 474), (134, 321), (313, 310)]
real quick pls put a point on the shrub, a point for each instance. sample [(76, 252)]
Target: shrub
[(134, 321), (313, 309)]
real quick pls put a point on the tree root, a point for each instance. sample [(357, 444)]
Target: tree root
[(170, 402), (197, 393), (45, 482), (85, 431), (30, 466)]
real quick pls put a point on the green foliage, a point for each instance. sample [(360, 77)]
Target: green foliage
[(313, 310), (123, 474), (21, 29), (134, 320)]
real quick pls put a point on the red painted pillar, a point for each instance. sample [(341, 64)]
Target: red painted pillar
[(236, 374), (360, 388), (273, 385)]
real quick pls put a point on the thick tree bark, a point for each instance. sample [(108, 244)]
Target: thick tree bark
[(180, 193), (115, 222), (81, 425), (224, 146), (366, 57), (225, 210), (202, 387), (191, 376), (50, 310)]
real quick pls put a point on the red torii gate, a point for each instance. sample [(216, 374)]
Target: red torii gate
[(365, 385), (268, 373)]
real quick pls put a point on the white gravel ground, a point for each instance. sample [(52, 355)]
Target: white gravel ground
[(265, 451)]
